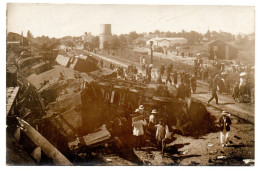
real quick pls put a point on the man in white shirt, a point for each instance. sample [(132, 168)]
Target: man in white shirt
[(152, 117), (151, 125), (138, 132)]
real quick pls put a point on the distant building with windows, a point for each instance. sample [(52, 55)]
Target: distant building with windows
[(167, 42)]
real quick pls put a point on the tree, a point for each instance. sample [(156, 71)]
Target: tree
[(193, 37), (115, 42), (141, 42), (242, 39), (133, 35), (122, 38), (94, 43), (224, 36), (157, 32), (29, 35), (70, 44), (168, 34)]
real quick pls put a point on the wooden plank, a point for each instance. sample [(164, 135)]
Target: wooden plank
[(10, 89), (46, 146), (97, 137)]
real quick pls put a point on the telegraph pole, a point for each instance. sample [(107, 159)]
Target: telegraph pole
[(151, 42)]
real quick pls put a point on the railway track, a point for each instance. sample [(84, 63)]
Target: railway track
[(211, 108), (125, 63)]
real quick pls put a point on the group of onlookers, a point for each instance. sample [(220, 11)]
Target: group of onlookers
[(150, 128)]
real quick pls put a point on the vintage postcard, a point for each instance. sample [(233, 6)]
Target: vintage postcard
[(99, 85)]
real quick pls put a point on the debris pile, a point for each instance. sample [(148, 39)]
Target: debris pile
[(95, 109)]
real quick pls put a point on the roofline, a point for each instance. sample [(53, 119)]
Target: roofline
[(16, 34)]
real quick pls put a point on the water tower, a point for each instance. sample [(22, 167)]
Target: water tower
[(105, 35)]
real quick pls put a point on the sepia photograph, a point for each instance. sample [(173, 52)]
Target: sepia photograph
[(130, 85)]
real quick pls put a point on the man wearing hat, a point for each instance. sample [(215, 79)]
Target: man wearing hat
[(224, 123), (151, 125), (141, 109), (138, 125), (152, 116)]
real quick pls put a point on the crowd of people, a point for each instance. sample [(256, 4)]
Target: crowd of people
[(149, 128), (221, 77)]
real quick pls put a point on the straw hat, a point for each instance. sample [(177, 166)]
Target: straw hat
[(154, 111), (224, 113), (242, 74), (141, 107)]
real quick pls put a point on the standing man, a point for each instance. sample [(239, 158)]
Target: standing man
[(214, 89), (169, 71), (175, 78), (151, 125), (206, 73), (153, 71), (148, 74), (181, 91), (144, 60), (162, 132), (193, 83), (138, 125), (235, 93), (168, 78), (162, 69), (138, 132), (169, 68), (224, 123)]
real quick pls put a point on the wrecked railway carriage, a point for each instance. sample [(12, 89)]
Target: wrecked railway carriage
[(76, 112)]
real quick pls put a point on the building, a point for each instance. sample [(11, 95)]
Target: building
[(105, 36), (221, 50), (16, 39), (166, 42)]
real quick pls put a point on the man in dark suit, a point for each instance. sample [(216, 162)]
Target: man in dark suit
[(224, 123), (214, 89)]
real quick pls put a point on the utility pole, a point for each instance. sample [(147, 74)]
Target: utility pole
[(151, 43), (121, 48)]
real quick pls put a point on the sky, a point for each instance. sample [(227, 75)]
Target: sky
[(57, 20)]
